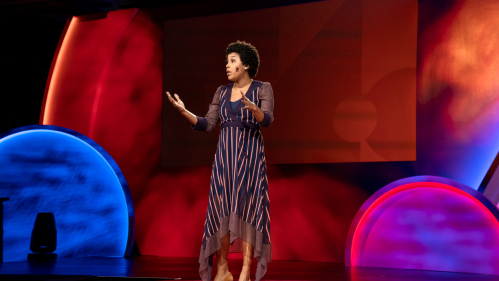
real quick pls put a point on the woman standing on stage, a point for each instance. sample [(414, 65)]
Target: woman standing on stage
[(238, 204)]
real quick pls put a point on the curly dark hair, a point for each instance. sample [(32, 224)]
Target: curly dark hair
[(247, 53)]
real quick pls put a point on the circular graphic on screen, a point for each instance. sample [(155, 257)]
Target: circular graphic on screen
[(355, 118)]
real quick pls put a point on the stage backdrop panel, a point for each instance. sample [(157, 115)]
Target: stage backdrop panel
[(343, 75), (107, 84)]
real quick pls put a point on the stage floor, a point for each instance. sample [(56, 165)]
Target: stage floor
[(151, 267)]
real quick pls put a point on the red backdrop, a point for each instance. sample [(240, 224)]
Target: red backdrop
[(343, 75), (107, 84)]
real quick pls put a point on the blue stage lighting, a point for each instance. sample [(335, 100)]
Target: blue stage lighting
[(53, 169)]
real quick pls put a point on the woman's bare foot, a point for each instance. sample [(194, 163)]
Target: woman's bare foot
[(245, 275), (223, 276)]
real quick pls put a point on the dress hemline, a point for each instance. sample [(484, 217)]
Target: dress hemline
[(238, 228)]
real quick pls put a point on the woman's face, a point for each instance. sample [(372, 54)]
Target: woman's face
[(234, 67)]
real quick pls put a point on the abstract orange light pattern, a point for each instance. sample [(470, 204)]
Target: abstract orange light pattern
[(464, 58), (56, 73), (458, 88)]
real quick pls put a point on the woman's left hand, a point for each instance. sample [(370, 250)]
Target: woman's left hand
[(247, 103)]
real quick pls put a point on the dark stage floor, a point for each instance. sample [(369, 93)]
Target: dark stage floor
[(150, 268)]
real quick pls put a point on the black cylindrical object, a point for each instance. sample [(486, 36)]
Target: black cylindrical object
[(44, 234)]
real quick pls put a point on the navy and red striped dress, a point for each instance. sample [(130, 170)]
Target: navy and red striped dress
[(239, 193)]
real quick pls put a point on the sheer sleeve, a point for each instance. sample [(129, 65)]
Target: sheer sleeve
[(267, 104), (211, 118)]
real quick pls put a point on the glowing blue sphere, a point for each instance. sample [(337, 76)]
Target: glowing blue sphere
[(57, 170)]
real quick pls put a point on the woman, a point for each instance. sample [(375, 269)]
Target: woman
[(239, 201)]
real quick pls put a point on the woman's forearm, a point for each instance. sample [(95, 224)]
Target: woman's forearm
[(258, 113), (190, 117)]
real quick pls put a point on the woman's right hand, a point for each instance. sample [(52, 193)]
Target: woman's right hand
[(179, 105)]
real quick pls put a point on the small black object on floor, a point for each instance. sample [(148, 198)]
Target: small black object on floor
[(43, 238)]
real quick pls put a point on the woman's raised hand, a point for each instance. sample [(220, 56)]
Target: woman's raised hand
[(247, 103), (179, 105)]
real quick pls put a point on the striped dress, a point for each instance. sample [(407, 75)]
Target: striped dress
[(239, 196)]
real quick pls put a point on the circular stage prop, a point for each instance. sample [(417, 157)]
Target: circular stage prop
[(427, 223), (57, 170)]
